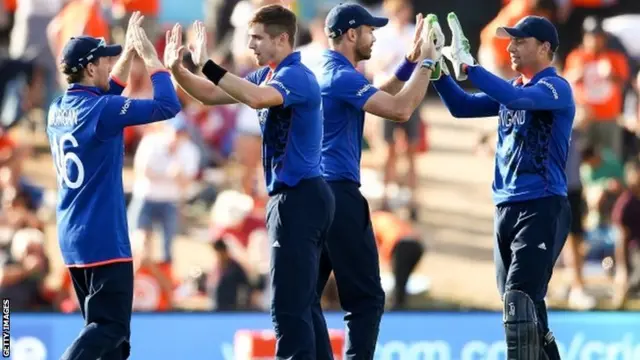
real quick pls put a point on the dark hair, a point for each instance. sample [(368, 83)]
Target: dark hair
[(75, 77), (219, 245), (277, 20), (338, 40)]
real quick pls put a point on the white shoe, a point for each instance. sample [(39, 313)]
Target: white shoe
[(580, 300), (459, 52)]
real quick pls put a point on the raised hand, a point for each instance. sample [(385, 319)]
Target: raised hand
[(198, 47), (145, 49), (459, 52), (134, 21), (174, 49), (416, 46), (428, 47)]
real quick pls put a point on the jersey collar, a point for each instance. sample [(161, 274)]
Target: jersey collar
[(74, 88), (292, 58), (337, 57), (549, 71)]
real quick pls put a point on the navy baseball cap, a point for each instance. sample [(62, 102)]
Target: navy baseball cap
[(350, 16), (79, 51), (537, 27)]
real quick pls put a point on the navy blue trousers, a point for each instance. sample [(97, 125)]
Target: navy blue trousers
[(105, 295), (529, 237), (298, 221), (351, 253)]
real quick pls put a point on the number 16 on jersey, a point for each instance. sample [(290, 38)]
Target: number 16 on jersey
[(64, 161)]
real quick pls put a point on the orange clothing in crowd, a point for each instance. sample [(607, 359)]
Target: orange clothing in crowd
[(78, 18), (509, 15), (389, 229), (148, 292), (146, 7), (603, 96), (592, 4), (10, 5)]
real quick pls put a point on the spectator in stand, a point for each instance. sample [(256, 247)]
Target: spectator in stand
[(400, 249), (29, 34), (626, 219), (602, 175), (228, 282), (598, 76), (234, 217), (78, 17), (23, 272), (165, 166), (153, 285), (390, 49), (123, 9), (572, 252)]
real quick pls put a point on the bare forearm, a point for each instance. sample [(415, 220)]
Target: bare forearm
[(414, 90), (240, 89), (122, 67), (201, 89), (392, 85)]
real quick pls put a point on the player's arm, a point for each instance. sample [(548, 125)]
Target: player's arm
[(199, 88), (549, 93), (122, 67), (462, 104), (286, 88), (120, 112), (120, 72), (395, 83), (356, 90)]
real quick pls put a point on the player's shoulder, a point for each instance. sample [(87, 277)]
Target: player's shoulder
[(297, 72), (556, 83), (348, 76)]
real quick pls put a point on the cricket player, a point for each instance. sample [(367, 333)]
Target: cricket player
[(532, 218), (300, 209), (351, 251), (85, 129)]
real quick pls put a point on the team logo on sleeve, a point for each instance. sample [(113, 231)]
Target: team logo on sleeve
[(280, 85), (363, 90), (550, 87), (125, 107)]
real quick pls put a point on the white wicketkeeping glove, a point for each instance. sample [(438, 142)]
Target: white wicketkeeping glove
[(441, 65), (459, 52)]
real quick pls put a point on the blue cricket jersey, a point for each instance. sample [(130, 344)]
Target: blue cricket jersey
[(291, 132), (534, 129), (344, 92), (85, 129)]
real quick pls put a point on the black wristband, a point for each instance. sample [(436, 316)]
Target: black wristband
[(213, 71)]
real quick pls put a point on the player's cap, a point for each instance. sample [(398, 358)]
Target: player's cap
[(591, 25), (343, 17), (537, 27), (79, 51)]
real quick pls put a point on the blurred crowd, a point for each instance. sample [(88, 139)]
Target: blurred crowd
[(203, 168)]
